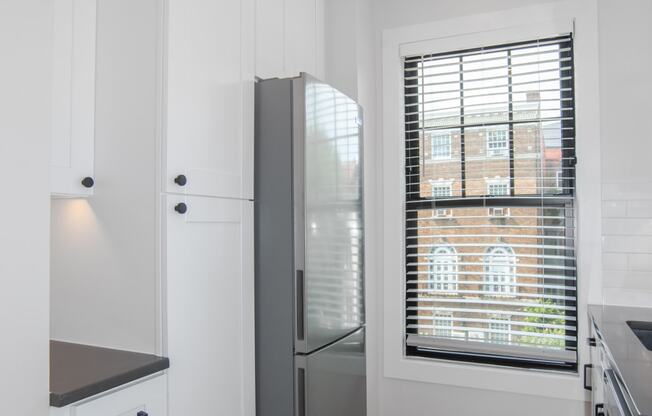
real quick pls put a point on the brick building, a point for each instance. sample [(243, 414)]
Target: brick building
[(470, 258)]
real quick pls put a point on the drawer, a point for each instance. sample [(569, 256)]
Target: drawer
[(143, 398)]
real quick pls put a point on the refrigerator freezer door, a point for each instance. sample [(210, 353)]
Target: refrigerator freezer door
[(332, 381), (328, 214)]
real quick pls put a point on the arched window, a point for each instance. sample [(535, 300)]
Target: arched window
[(443, 269), (500, 270)]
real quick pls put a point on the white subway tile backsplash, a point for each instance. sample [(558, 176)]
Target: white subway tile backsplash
[(614, 261), (626, 244), (639, 209), (614, 209), (627, 226), (640, 262), (627, 190), (627, 297), (627, 280)]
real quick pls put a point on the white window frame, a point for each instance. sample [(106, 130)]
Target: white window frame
[(502, 182), (438, 135), (441, 183), (496, 324), (559, 180), (443, 285), (499, 283), (448, 318), (455, 34), (497, 151)]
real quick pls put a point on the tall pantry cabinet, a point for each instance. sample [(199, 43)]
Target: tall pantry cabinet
[(207, 184), (210, 58)]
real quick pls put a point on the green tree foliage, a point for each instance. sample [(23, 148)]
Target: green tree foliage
[(543, 309)]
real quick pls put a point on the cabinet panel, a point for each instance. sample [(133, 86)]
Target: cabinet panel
[(301, 36), (73, 96), (289, 38), (209, 302), (146, 396), (209, 97), (270, 35)]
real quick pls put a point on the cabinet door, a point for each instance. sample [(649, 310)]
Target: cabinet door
[(209, 92), (289, 38), (209, 296), (146, 397), (73, 96)]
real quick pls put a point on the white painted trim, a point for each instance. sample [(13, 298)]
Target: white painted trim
[(489, 29)]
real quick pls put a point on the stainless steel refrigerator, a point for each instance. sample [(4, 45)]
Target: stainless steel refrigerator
[(309, 248)]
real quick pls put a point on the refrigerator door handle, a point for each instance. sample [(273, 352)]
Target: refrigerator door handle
[(301, 392), (300, 283)]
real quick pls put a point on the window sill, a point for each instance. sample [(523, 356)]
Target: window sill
[(557, 384)]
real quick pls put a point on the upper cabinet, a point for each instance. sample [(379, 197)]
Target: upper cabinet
[(73, 97), (289, 38), (208, 97)]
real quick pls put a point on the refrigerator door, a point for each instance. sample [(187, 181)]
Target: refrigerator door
[(328, 214), (332, 381)]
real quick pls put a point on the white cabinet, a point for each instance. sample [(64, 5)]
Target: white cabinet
[(145, 397), (208, 254), (289, 38), (73, 96), (209, 92)]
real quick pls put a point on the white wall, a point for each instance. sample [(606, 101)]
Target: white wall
[(104, 248), (625, 94), (25, 47), (393, 396)]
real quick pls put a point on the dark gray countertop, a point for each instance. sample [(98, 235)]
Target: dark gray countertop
[(79, 371), (630, 358)]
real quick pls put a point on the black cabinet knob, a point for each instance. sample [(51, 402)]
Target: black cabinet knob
[(88, 182), (181, 208), (142, 413), (181, 180)]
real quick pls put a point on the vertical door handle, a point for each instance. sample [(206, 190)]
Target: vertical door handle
[(586, 385), (300, 301), (301, 392)]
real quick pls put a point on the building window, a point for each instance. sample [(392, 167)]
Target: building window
[(500, 271), (442, 189), (500, 330), (443, 269), (441, 144), (509, 231), (498, 187), (559, 181), (442, 324), (497, 142)]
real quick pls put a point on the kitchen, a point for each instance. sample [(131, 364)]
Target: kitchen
[(493, 207)]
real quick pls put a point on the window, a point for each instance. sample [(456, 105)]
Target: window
[(500, 330), (499, 212), (559, 181), (497, 142), (442, 212), (497, 187), (442, 324), (443, 269), (500, 271), (501, 261), (441, 146), (441, 189)]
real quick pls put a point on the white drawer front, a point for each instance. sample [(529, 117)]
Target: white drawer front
[(147, 397)]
